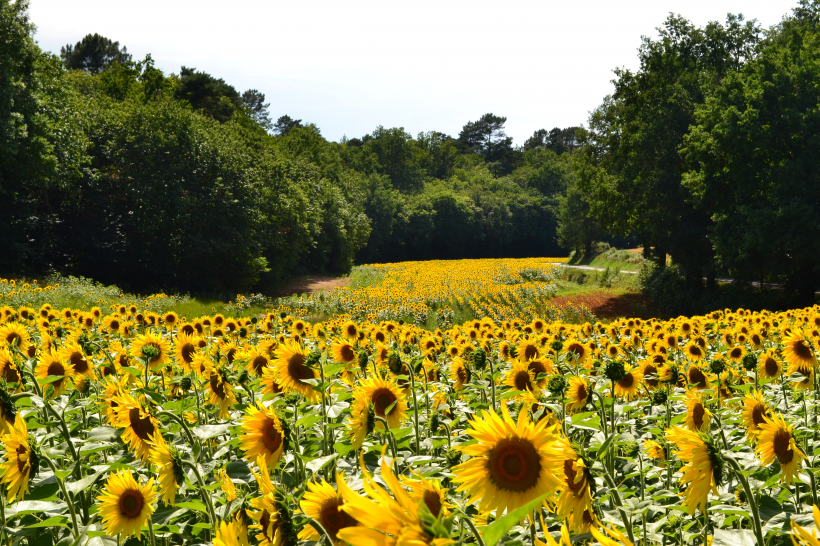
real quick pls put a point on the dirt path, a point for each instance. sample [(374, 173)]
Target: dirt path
[(607, 304), (310, 284)]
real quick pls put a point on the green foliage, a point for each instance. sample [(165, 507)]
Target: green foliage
[(94, 53)]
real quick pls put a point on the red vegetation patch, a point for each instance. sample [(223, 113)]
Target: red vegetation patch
[(608, 305)]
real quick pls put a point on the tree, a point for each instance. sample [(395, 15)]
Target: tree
[(208, 94), (396, 153), (557, 140), (486, 137), (636, 137), (755, 169), (285, 123), (94, 53), (257, 108)]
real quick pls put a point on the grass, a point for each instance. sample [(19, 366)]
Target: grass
[(606, 257)]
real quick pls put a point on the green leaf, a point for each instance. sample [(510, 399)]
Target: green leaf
[(204, 432), (309, 420), (193, 505), (133, 371), (56, 521), (493, 533), (85, 483), (331, 369), (317, 464)]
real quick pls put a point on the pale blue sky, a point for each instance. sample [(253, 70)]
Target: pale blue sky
[(351, 65)]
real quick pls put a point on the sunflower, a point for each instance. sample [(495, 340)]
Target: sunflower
[(264, 435), (350, 330), (257, 361), (694, 351), (290, 370), (185, 348), (139, 425), (776, 441), (21, 463), (73, 354), (610, 537), (575, 351), (579, 393), (654, 450), (343, 352), (430, 493), (798, 352), (226, 485), (168, 462), (527, 350), (697, 377), (112, 323), (220, 392), (735, 354), (511, 464), (231, 533), (459, 373), (768, 366), (362, 419), (630, 384), (801, 536), (703, 470), (384, 519), (541, 369), (8, 369), (697, 415), (50, 365), (14, 334), (270, 512), (322, 503), (576, 498), (521, 378), (126, 505), (152, 347), (754, 413), (388, 401)]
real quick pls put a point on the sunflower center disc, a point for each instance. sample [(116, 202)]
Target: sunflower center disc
[(10, 374), (514, 464), (187, 352), (771, 366), (79, 362), (433, 502), (697, 378), (270, 436), (259, 364), (142, 427), (570, 473), (22, 459), (780, 444), (802, 350), (698, 411), (297, 369), (757, 414), (382, 398), (522, 381), (217, 386), (530, 351), (650, 370), (347, 353), (334, 519), (131, 503), (626, 381), (55, 368)]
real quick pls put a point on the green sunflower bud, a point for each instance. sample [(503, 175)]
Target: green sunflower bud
[(615, 370)]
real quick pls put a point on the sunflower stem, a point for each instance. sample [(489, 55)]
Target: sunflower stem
[(321, 530), (466, 519), (151, 531), (616, 496), (415, 410), (749, 495), (182, 423), (211, 513), (492, 383), (66, 433), (75, 529)]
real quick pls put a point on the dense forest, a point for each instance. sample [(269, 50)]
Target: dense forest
[(112, 169)]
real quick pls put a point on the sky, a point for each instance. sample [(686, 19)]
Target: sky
[(351, 65)]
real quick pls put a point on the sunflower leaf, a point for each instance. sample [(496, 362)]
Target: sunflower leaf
[(493, 533)]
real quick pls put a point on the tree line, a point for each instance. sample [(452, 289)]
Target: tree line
[(112, 169), (708, 152), (705, 154)]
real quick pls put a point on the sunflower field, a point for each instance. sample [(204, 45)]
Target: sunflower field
[(121, 425)]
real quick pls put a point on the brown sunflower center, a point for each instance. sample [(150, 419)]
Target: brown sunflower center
[(79, 362), (187, 352), (801, 349), (271, 436), (627, 381), (514, 464), (297, 369), (13, 337), (698, 411), (142, 426), (332, 518), (576, 349), (522, 381), (10, 374), (770, 366), (114, 325), (22, 459), (530, 351), (581, 394), (537, 367), (56, 368), (217, 386), (259, 363), (781, 443), (346, 352), (570, 474), (382, 399), (758, 414), (131, 503), (463, 374), (650, 370), (736, 353), (433, 502), (697, 377)]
